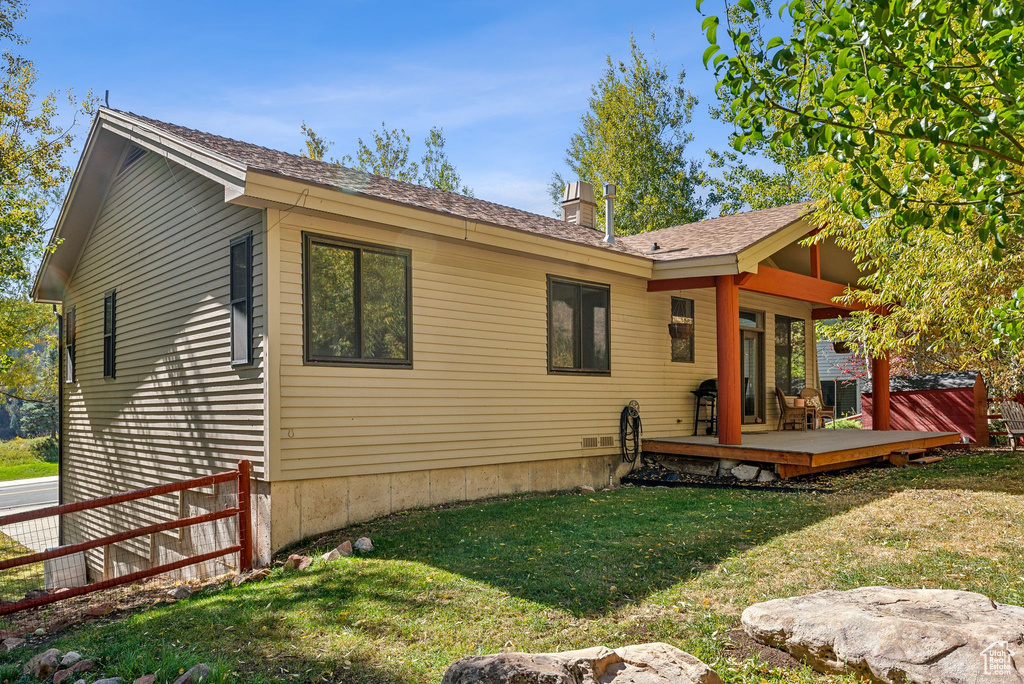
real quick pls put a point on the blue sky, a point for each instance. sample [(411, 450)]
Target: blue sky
[(507, 81)]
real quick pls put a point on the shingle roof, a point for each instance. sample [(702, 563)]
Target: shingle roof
[(352, 180), (725, 235), (715, 237)]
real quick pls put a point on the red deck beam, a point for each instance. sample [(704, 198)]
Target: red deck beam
[(771, 281)]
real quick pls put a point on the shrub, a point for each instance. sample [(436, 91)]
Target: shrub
[(47, 449)]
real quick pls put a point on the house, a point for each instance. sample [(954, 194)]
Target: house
[(842, 376), (372, 346), (956, 400)]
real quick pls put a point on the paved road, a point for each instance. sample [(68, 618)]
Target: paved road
[(28, 494)]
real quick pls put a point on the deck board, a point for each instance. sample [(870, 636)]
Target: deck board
[(810, 451)]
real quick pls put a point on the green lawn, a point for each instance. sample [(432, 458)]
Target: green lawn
[(21, 459), (546, 573)]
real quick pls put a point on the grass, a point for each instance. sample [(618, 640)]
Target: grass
[(22, 459), (846, 424), (546, 573)]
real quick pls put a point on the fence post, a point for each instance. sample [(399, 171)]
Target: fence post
[(244, 517)]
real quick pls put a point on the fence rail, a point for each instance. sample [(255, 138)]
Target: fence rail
[(19, 568)]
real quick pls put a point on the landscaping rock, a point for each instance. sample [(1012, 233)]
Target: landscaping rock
[(253, 576), (83, 666), (726, 465), (11, 643), (39, 632), (44, 664), (99, 610), (767, 476), (893, 635), (108, 680), (62, 675), (745, 473), (146, 679), (707, 467), (180, 593), (79, 681), (583, 489), (653, 663), (297, 562), (70, 658), (198, 673), (364, 545), (341, 550)]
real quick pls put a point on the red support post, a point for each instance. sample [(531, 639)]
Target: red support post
[(880, 393), (815, 253), (727, 313), (244, 516)]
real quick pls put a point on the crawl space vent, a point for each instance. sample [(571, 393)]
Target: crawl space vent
[(595, 442)]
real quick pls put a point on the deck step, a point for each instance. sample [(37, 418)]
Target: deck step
[(910, 452), (926, 460)]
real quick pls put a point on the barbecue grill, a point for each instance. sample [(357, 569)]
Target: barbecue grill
[(705, 410)]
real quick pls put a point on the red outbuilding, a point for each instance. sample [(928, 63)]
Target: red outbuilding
[(938, 402)]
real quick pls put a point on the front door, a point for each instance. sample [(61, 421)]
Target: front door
[(752, 366)]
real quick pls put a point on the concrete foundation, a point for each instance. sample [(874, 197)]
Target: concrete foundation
[(287, 512)]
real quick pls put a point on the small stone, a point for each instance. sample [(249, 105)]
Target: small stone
[(79, 681), (70, 658), (146, 679), (99, 610), (36, 593), (83, 666), (39, 632), (198, 673), (584, 489), (44, 664), (330, 556), (363, 545), (297, 562), (767, 476), (726, 465), (11, 643), (253, 576), (108, 680), (180, 593), (345, 548), (62, 675), (745, 473)]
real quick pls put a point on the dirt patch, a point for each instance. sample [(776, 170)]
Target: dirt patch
[(741, 646)]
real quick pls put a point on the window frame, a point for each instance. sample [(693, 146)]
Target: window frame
[(308, 241), (246, 240), (110, 350), (559, 370), (789, 320), (70, 331), (693, 332)]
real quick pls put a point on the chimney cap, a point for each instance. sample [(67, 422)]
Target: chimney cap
[(609, 189), (578, 191)]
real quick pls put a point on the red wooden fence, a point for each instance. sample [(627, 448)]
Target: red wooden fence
[(243, 545)]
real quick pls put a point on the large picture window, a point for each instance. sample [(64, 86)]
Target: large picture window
[(790, 354), (241, 300), (579, 327), (357, 303), (681, 330)]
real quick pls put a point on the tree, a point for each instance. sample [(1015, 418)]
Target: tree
[(388, 154), (931, 89), (634, 135)]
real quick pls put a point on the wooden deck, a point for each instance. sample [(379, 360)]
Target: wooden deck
[(799, 453)]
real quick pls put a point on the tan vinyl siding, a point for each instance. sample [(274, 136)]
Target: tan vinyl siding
[(479, 391), (176, 408)]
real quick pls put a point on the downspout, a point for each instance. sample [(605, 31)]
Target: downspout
[(60, 419)]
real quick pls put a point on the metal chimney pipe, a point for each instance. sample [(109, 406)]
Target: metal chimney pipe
[(609, 213)]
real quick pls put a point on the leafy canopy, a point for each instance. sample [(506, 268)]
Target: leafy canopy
[(388, 154), (634, 135), (932, 88)]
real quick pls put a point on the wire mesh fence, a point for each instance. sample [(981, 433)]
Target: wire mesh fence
[(190, 529)]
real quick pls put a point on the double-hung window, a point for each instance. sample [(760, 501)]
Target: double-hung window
[(357, 307), (579, 327), (241, 300), (109, 334), (790, 354)]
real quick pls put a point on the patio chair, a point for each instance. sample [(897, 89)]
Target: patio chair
[(1013, 419), (814, 399), (788, 413)]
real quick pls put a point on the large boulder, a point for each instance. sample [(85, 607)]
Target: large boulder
[(653, 663), (897, 635)]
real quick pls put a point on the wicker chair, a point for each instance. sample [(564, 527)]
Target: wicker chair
[(1013, 419), (797, 415), (822, 411)]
